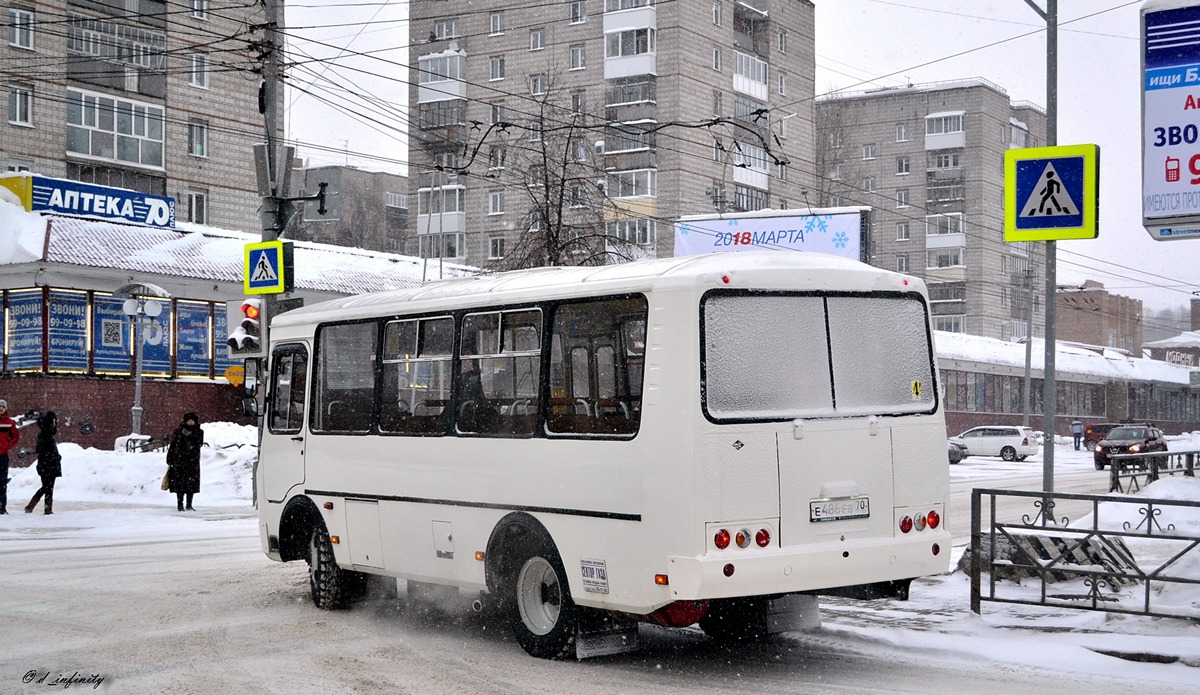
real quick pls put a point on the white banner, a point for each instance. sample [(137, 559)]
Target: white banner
[(836, 233)]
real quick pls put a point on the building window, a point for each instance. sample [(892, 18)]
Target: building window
[(442, 246), (20, 104), (615, 5), (781, 40), (198, 9), (537, 84), (496, 203), (902, 231), (20, 28), (750, 157), (902, 264), (632, 184), (197, 207), (198, 70), (445, 29), (950, 324), (716, 13), (869, 151), (718, 150), (497, 23), (937, 125), (435, 201), (629, 43), (578, 57), (944, 258), (835, 139), (902, 198), (198, 138), (902, 166), (578, 12), (783, 171), (717, 102), (716, 63), (946, 160), (497, 63), (120, 130), (640, 231), (869, 184), (835, 174), (745, 198), (1019, 138), (495, 248), (440, 68), (951, 223), (437, 114), (782, 83), (750, 67), (901, 132), (117, 43), (496, 155), (497, 111), (629, 137), (537, 39), (578, 102)]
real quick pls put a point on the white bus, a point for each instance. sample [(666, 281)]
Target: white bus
[(714, 439)]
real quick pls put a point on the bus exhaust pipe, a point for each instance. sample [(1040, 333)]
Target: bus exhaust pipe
[(477, 606)]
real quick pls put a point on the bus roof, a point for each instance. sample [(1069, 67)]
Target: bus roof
[(746, 269)]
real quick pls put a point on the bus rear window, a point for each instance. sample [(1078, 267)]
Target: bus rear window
[(773, 357)]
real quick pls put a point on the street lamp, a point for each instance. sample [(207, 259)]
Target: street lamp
[(142, 311)]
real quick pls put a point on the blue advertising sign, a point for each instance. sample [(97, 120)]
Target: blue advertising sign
[(193, 338), (156, 342), (60, 196), (111, 346), (220, 330), (25, 329), (68, 318)]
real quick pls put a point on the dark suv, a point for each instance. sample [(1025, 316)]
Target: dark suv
[(1093, 433), (1128, 439)]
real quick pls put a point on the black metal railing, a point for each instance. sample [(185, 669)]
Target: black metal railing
[(1129, 473), (1126, 554)]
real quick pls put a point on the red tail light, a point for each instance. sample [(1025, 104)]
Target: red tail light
[(762, 538), (1025, 441), (906, 524), (933, 518), (721, 539)]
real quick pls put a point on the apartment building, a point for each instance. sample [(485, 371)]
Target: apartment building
[(157, 96), (930, 159), (362, 209), (578, 131)]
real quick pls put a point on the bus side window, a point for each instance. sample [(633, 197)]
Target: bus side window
[(416, 375), (288, 390), (344, 397), (499, 379)]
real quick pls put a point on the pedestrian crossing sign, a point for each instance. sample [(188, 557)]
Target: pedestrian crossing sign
[(268, 268), (1051, 193)]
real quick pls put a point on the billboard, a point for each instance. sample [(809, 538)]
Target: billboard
[(836, 231), (64, 197)]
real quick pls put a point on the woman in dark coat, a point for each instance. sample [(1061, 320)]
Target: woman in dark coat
[(49, 462), (183, 460)]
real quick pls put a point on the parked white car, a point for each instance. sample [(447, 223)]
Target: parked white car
[(1011, 443)]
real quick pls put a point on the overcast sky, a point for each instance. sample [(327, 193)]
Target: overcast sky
[(861, 44)]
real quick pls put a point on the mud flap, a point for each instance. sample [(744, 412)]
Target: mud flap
[(598, 634), (793, 612)]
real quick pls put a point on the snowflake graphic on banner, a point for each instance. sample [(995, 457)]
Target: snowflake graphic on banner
[(840, 239), (817, 223)]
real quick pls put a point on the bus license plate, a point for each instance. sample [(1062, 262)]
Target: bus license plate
[(838, 509)]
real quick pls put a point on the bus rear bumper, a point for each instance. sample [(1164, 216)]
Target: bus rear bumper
[(818, 566)]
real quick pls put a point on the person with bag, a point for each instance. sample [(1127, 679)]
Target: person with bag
[(183, 461), (49, 462), (10, 434)]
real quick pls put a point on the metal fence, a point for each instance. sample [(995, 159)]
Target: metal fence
[(1124, 554), (1129, 473)]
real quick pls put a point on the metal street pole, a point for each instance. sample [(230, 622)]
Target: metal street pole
[(140, 352), (1049, 385)]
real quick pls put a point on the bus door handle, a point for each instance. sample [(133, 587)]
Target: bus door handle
[(297, 438)]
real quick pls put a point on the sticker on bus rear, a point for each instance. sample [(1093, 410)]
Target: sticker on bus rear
[(595, 575)]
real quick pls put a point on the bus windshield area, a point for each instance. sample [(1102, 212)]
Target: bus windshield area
[(774, 356)]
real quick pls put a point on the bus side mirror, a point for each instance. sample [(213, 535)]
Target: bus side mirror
[(251, 367)]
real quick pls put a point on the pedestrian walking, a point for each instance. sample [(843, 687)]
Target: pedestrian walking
[(183, 461), (10, 434), (1077, 431), (49, 462)]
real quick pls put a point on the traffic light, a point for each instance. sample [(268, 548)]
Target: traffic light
[(245, 322)]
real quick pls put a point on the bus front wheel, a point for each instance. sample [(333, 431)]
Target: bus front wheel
[(330, 584), (540, 610)]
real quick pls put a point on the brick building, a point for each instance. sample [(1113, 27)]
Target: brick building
[(149, 95), (1091, 314)]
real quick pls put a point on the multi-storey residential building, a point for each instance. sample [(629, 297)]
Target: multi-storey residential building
[(601, 120), (930, 160), (157, 96), (363, 209)]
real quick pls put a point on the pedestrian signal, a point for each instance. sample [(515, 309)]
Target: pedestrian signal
[(245, 321)]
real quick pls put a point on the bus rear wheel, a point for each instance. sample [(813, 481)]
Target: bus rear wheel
[(331, 586), (540, 610)]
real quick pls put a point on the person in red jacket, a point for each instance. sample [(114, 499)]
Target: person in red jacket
[(10, 434)]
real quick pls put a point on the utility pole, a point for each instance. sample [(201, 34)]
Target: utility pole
[(1049, 385)]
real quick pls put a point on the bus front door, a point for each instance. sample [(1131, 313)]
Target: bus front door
[(281, 452)]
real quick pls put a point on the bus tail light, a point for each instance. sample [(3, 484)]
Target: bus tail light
[(906, 524), (762, 538), (742, 538), (934, 518), (721, 539), (936, 549), (728, 570), (920, 522)]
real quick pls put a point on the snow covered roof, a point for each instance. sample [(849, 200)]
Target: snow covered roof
[(196, 251), (1068, 360), (1187, 339)]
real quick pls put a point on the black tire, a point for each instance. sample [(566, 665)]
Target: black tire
[(1022, 458), (1090, 444), (1099, 466), (332, 587), (736, 620), (1008, 453), (539, 607)]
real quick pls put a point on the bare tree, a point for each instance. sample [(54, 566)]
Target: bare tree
[(832, 119)]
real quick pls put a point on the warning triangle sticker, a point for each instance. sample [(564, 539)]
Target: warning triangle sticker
[(1049, 198), (263, 271)]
